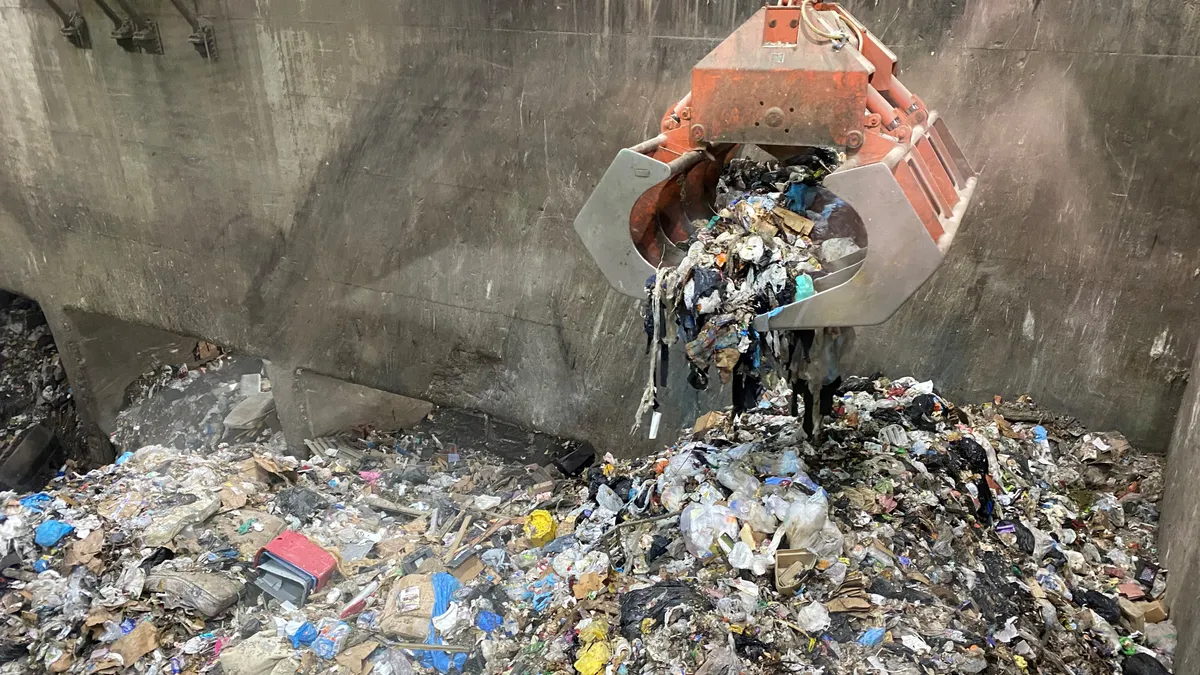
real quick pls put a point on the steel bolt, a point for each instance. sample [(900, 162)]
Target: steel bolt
[(773, 117), (697, 132), (854, 139)]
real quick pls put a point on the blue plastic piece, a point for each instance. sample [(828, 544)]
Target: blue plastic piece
[(41, 565), (798, 197), (330, 639), (802, 478), (804, 287), (1039, 433), (304, 635), (444, 586), (125, 457), (35, 501), (488, 621), (51, 532), (871, 637), (127, 626)]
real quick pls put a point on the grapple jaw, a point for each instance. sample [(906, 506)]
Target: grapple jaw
[(905, 180)]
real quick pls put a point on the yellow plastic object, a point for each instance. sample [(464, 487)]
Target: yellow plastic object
[(593, 658), (540, 527), (596, 630)]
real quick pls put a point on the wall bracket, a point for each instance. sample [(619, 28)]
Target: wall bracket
[(74, 26), (122, 30), (203, 38), (134, 32)]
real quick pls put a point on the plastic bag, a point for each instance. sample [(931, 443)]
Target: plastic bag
[(49, 533), (703, 525), (540, 527), (1109, 506), (752, 512), (608, 499), (683, 465), (331, 636), (806, 517), (592, 658), (674, 496), (707, 493), (738, 480), (813, 618), (1143, 664), (788, 463)]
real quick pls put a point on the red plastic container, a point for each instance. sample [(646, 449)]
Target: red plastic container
[(296, 549)]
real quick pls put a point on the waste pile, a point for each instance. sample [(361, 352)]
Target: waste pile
[(775, 234), (913, 537), (35, 397), (214, 397)]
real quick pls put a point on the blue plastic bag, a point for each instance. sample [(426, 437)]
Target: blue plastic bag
[(799, 198), (304, 635), (871, 637), (444, 586), (488, 621), (51, 532), (35, 501), (804, 287)]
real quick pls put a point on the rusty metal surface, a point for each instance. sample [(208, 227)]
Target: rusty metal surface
[(803, 94)]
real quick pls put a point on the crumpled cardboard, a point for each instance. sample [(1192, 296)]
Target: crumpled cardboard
[(84, 551), (139, 642), (409, 607)]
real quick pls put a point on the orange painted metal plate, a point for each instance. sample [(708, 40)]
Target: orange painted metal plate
[(802, 94)]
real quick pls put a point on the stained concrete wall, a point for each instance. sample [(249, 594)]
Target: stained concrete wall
[(382, 191), (1179, 536)]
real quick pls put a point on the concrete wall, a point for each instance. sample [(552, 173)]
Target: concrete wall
[(1179, 537), (382, 191)]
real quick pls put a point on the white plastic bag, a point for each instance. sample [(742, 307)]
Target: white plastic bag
[(805, 517), (703, 524)]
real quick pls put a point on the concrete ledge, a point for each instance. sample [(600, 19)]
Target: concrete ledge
[(311, 405)]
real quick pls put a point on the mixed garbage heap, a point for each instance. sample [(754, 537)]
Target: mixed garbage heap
[(36, 408), (915, 537), (215, 397), (775, 234)]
